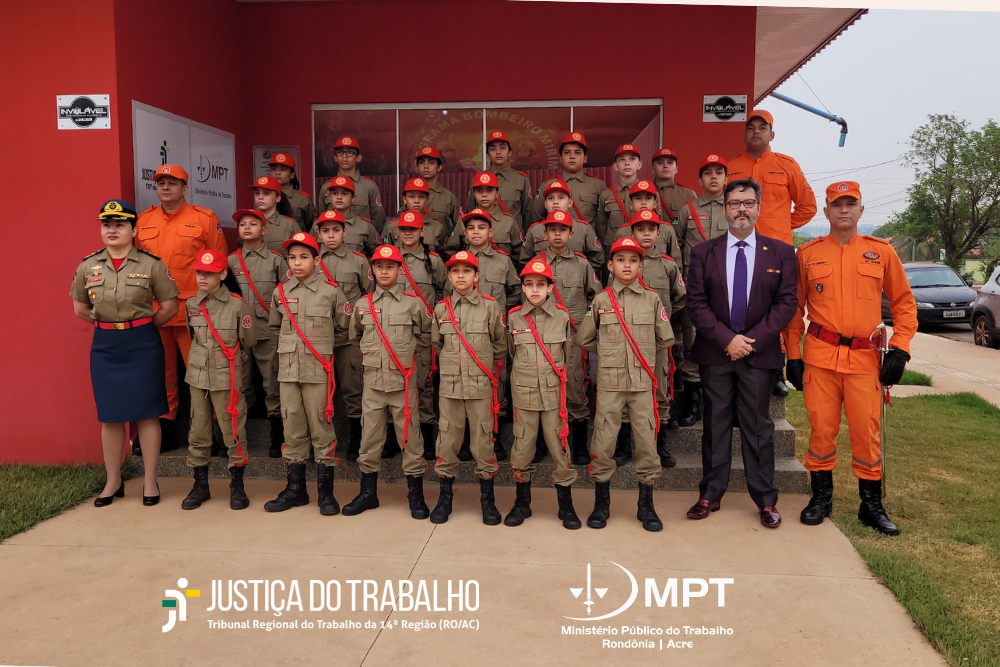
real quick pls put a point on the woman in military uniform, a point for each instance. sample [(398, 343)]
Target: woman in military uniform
[(113, 290)]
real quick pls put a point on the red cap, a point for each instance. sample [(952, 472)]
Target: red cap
[(497, 135), (573, 138), (477, 214), (557, 186), (429, 151), (267, 183), (710, 160), (558, 218), (627, 148), (410, 219), (249, 211), (627, 243), (211, 260), (462, 257), (664, 152), (283, 159), (643, 186), (341, 182), (176, 171), (416, 185), (302, 238), (835, 191), (538, 267), (330, 216), (763, 115), (646, 216), (485, 179), (348, 142), (390, 252)]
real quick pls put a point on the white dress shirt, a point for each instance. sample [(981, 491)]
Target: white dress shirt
[(731, 251)]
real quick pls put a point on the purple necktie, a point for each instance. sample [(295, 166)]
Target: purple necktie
[(738, 314)]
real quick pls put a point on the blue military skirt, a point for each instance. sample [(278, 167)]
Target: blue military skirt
[(127, 372)]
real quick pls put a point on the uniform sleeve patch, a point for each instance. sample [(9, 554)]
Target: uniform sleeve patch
[(288, 274), (663, 315), (247, 322), (872, 255), (348, 308)]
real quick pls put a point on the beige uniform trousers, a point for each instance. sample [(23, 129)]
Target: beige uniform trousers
[(451, 429), (607, 422), (523, 449), (203, 402), (302, 409), (374, 405)]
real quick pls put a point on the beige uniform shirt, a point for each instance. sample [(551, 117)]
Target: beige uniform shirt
[(712, 221), (576, 282), (585, 190), (207, 364), (534, 385), (359, 234), (583, 242), (497, 278), (507, 234), (367, 200), (323, 315), (350, 270), (302, 207), (266, 269), (479, 321), (435, 234), (672, 196), (666, 242), (443, 205), (430, 282), (619, 369), (609, 214), (280, 228), (126, 294), (406, 325), (662, 273), (515, 193)]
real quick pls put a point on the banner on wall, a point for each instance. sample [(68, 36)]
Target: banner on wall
[(262, 156), (207, 154)]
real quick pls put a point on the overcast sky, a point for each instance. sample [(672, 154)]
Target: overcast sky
[(884, 75)]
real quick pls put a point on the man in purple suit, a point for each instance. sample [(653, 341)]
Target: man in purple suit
[(741, 295)]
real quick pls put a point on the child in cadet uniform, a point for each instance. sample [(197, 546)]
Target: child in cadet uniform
[(574, 289), (506, 234), (308, 315), (584, 240), (468, 334), (258, 270), (360, 234), (435, 236), (350, 271), (367, 201), (614, 207), (283, 170), (643, 197), (540, 341), (218, 329), (442, 204), (515, 188), (626, 324), (393, 328), (267, 199), (497, 279)]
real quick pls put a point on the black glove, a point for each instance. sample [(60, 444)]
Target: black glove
[(677, 352), (893, 364), (794, 369)]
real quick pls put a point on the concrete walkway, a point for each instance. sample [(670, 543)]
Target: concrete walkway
[(956, 366), (86, 587)]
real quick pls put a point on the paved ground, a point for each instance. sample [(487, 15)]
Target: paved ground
[(960, 332), (86, 587), (955, 366)]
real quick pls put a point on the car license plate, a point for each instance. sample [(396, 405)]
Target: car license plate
[(954, 313)]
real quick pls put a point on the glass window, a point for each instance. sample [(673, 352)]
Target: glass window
[(374, 130), (937, 277), (608, 127)]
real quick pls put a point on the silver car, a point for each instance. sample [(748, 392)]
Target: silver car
[(986, 313)]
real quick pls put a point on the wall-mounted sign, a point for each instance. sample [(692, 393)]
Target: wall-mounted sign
[(262, 155), (83, 112), (724, 108)]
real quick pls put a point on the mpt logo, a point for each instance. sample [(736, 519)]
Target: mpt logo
[(176, 603), (601, 592)]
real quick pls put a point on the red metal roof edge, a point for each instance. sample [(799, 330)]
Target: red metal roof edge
[(826, 42)]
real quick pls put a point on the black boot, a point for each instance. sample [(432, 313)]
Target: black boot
[(168, 435), (692, 404), (578, 435), (294, 494), (522, 505), (199, 492), (871, 513), (354, 444), (277, 437), (498, 451), (491, 515), (391, 447), (623, 447), (602, 505), (328, 505), (567, 514), (646, 512), (237, 495), (821, 503), (442, 510), (541, 451), (666, 458), (427, 431), (367, 499), (780, 388), (415, 494), (465, 451)]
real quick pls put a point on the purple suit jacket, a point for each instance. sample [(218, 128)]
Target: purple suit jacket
[(771, 306)]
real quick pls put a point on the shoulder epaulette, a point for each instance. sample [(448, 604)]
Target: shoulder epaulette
[(303, 193), (644, 286), (202, 209), (330, 282), (499, 249), (431, 252), (365, 219), (147, 253), (236, 251), (277, 253), (410, 294), (681, 185), (580, 254), (787, 157), (487, 296), (517, 307), (235, 296), (815, 240), (669, 257), (874, 238), (286, 217), (562, 307), (689, 202), (98, 252), (369, 179), (540, 222), (522, 173), (359, 254), (148, 210)]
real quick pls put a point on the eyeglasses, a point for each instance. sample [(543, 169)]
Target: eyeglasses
[(750, 204), (344, 151)]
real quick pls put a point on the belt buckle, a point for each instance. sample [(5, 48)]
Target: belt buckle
[(120, 326)]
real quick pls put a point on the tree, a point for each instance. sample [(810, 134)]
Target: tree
[(956, 198)]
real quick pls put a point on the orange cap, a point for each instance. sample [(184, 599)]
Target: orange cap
[(626, 243), (267, 183), (341, 182), (497, 135), (330, 216), (835, 191), (477, 214), (348, 142), (485, 179), (538, 267), (416, 185), (211, 260), (429, 151), (556, 186), (302, 238), (763, 115), (410, 219), (628, 148), (462, 257), (249, 211), (573, 138), (643, 185), (283, 159), (710, 160), (389, 252), (173, 170), (646, 215), (664, 152), (558, 218)]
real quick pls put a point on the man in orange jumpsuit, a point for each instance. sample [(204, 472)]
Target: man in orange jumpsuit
[(176, 232), (783, 184), (841, 280)]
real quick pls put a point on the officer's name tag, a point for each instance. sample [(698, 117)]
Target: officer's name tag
[(605, 311), (292, 300), (94, 279), (447, 320), (365, 311), (138, 275), (194, 313), (520, 331)]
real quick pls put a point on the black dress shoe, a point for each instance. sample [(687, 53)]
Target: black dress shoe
[(701, 509), (769, 517), (780, 388), (149, 501), (104, 501)]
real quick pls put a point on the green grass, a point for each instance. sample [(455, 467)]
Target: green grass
[(943, 491), (30, 494), (913, 377)]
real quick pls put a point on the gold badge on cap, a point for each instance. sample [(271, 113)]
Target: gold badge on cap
[(206, 258), (843, 187), (484, 178), (165, 170), (419, 182), (299, 236), (713, 158), (643, 185), (385, 252), (577, 135), (538, 266), (559, 215), (346, 141), (280, 157), (262, 180), (425, 150), (341, 180), (628, 147), (646, 215), (462, 255)]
